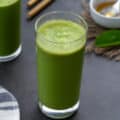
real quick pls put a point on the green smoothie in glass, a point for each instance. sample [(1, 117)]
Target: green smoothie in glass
[(60, 50), (9, 29)]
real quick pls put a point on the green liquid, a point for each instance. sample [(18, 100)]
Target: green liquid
[(60, 48), (9, 26), (7, 2)]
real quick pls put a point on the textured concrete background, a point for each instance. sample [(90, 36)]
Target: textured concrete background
[(100, 93)]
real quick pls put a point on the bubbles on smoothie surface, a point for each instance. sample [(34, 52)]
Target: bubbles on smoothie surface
[(7, 2), (61, 36), (61, 31)]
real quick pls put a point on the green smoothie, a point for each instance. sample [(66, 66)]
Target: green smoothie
[(9, 26), (60, 50)]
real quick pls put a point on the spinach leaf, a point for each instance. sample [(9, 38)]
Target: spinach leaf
[(108, 38)]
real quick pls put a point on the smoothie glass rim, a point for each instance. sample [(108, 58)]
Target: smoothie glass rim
[(60, 12)]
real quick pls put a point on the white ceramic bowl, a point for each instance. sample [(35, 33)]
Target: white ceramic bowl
[(112, 22)]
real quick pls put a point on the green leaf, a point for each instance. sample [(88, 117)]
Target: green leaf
[(108, 38)]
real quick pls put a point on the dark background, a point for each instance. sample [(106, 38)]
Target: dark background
[(100, 93)]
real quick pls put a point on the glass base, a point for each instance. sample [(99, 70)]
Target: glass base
[(11, 56), (59, 114)]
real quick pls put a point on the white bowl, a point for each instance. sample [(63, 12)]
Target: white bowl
[(112, 22)]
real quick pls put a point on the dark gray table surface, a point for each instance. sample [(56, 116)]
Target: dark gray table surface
[(100, 93)]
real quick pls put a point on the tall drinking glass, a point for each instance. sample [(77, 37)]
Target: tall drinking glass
[(60, 42), (10, 46)]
